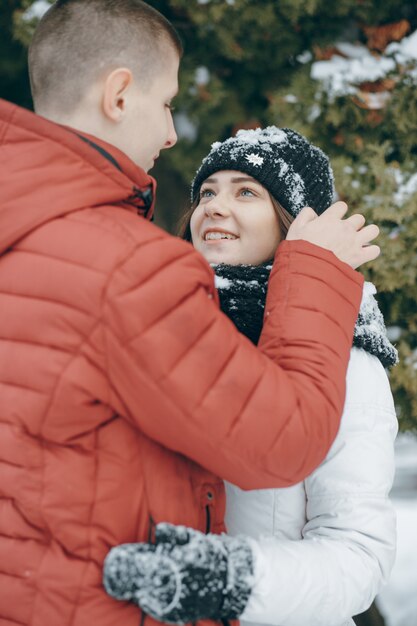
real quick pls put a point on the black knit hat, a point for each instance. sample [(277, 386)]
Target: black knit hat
[(295, 172)]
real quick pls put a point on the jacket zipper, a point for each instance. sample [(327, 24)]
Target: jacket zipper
[(209, 495), (150, 540), (208, 519), (209, 501)]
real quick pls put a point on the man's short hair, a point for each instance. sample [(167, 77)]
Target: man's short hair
[(77, 41)]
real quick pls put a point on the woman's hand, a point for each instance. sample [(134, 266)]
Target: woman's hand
[(184, 577), (349, 239)]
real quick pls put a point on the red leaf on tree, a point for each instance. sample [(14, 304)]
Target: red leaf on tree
[(380, 36)]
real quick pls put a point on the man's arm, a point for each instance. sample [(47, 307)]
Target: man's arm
[(181, 372)]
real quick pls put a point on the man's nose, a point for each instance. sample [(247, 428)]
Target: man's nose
[(172, 135)]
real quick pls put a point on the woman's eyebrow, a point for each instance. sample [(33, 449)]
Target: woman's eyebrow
[(245, 179), (237, 179)]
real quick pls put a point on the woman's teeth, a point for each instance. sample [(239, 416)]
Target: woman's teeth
[(216, 235)]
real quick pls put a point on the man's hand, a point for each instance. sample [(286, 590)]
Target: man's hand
[(348, 239), (184, 577)]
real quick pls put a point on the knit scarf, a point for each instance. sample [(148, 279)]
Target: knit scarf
[(242, 292)]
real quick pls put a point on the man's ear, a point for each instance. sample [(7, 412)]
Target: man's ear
[(116, 88)]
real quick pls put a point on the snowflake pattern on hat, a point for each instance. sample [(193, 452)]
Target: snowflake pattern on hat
[(255, 159)]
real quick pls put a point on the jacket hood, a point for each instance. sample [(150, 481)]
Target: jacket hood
[(48, 171)]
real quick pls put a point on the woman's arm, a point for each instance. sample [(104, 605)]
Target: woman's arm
[(349, 539)]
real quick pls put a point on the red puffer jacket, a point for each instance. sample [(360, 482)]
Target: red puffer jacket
[(121, 380)]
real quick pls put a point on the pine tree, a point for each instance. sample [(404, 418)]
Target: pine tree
[(14, 83), (261, 61)]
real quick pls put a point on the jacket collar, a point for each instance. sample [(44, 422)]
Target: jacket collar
[(48, 171)]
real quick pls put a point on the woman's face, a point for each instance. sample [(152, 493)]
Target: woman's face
[(235, 221)]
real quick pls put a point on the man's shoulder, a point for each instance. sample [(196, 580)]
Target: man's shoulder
[(114, 234), (121, 226), (119, 229)]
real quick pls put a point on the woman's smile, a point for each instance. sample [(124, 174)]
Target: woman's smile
[(215, 235)]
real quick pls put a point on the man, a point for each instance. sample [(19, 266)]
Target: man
[(125, 392)]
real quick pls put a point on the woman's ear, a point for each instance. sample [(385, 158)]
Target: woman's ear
[(116, 89)]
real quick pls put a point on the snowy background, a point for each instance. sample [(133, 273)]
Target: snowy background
[(398, 601)]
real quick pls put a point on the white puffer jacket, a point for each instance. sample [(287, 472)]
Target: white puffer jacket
[(326, 546)]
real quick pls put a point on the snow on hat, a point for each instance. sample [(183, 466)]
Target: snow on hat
[(295, 172)]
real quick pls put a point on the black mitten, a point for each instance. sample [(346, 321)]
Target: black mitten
[(184, 577)]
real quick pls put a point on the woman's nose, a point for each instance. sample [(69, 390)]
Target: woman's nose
[(216, 207)]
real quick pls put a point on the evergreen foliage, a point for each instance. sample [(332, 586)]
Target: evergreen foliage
[(14, 83), (250, 63)]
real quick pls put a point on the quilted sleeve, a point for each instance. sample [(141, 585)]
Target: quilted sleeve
[(182, 374), (348, 545)]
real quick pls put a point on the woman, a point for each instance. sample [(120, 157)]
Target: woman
[(318, 552)]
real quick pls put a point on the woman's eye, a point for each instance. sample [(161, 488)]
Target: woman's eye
[(206, 193), (247, 192)]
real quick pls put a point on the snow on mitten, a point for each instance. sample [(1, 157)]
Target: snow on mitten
[(184, 577)]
